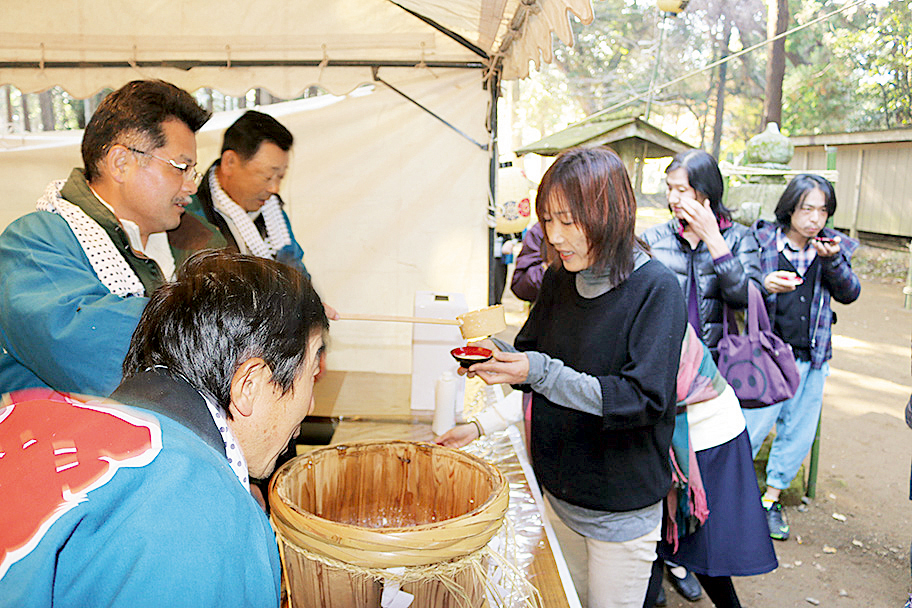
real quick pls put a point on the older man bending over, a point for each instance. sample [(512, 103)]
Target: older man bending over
[(149, 504)]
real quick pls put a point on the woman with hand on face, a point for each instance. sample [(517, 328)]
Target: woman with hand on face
[(712, 257), (599, 352)]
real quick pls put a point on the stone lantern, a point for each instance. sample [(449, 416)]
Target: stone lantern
[(758, 195), (769, 150)]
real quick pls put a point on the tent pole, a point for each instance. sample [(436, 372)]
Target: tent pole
[(375, 70), (446, 32), (494, 83)]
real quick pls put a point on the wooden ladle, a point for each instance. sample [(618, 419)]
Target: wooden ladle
[(473, 324)]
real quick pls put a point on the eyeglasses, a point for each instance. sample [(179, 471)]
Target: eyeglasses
[(188, 172)]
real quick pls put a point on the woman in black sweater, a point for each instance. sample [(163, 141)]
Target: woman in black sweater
[(600, 353)]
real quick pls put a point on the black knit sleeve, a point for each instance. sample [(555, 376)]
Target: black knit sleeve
[(643, 392)]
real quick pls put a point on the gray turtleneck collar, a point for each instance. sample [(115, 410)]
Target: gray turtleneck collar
[(591, 284)]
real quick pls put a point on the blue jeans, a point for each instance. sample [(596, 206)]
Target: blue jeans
[(796, 425)]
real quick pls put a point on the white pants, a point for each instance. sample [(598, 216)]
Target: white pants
[(619, 572)]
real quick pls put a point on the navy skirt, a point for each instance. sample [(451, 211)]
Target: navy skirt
[(735, 539)]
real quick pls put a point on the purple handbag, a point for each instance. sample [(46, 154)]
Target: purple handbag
[(758, 365)]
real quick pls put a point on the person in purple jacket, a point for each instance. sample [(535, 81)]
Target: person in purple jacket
[(530, 265), (804, 265)]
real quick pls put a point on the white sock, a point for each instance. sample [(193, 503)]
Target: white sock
[(678, 571)]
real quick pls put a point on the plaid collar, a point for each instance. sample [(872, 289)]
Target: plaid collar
[(802, 258)]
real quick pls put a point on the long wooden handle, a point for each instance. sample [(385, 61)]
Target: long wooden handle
[(359, 317)]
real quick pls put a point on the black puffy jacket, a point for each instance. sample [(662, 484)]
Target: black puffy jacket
[(715, 282)]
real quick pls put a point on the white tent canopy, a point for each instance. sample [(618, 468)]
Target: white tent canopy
[(385, 198), (281, 45)]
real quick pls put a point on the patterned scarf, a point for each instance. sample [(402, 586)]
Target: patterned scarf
[(698, 380), (277, 235), (232, 446), (107, 262)]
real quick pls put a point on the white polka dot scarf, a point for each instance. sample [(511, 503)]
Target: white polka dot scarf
[(232, 448), (277, 235), (109, 265)]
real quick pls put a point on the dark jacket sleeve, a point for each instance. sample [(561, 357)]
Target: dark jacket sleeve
[(744, 265), (530, 267), (839, 278)]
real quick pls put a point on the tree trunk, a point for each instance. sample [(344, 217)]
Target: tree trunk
[(9, 103), (720, 88), (777, 21), (79, 109), (89, 106), (209, 104), (263, 97), (516, 139), (26, 123), (46, 103)]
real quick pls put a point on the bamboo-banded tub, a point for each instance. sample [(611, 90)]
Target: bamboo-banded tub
[(346, 514)]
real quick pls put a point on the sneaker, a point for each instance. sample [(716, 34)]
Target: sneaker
[(778, 525)]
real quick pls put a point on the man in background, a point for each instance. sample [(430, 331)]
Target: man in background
[(240, 192), (805, 266)]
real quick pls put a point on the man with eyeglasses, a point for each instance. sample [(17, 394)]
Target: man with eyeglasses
[(805, 264), (76, 273)]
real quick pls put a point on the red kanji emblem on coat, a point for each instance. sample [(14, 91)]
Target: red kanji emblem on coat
[(54, 450)]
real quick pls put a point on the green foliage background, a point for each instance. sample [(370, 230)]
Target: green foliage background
[(852, 72)]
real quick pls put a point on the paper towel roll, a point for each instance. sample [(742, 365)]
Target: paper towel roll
[(444, 403)]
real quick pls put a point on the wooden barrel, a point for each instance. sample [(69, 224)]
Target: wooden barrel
[(345, 514)]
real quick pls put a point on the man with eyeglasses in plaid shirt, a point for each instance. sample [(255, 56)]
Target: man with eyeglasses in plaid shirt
[(76, 273)]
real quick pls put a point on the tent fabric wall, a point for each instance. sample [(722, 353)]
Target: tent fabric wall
[(385, 200)]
